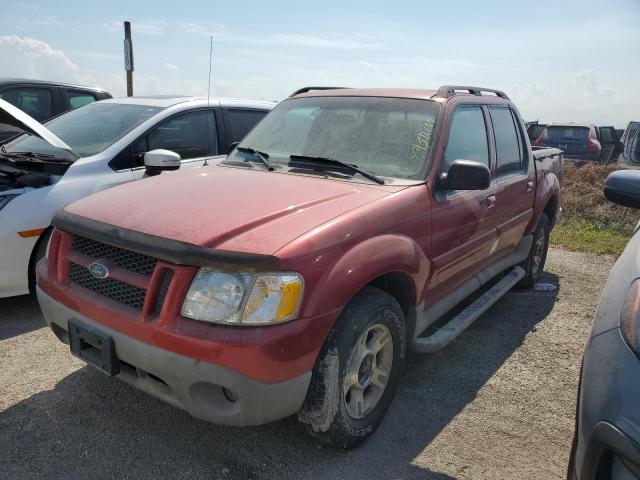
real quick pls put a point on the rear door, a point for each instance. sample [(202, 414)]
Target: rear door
[(609, 142), (514, 176), (464, 229)]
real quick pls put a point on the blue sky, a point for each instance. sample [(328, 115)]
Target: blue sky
[(559, 60)]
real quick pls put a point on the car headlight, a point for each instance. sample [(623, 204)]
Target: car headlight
[(5, 199), (243, 298), (630, 317)]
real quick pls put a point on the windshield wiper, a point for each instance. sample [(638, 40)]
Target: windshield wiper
[(28, 154), (338, 163), (259, 155)]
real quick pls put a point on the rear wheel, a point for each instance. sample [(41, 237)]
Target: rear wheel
[(357, 372), (534, 263)]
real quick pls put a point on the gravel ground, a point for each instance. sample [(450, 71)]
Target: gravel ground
[(497, 403)]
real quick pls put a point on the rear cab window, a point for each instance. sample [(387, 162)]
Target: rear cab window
[(508, 141)]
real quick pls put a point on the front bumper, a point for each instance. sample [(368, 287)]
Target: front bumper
[(188, 383), (15, 253), (608, 413)]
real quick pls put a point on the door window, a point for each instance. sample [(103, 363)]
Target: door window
[(37, 102), (190, 135), (508, 142), (76, 98), (242, 121), (467, 137)]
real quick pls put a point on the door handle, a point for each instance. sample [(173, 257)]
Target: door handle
[(529, 186), (489, 201)]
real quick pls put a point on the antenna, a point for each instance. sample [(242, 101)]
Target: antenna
[(210, 57)]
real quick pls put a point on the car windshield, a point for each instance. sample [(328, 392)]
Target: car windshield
[(561, 134), (87, 130), (384, 136)]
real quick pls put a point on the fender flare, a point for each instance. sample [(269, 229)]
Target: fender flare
[(363, 263)]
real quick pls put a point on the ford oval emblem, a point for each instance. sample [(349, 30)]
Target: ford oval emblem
[(98, 270)]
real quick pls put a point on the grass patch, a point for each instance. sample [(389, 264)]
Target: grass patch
[(590, 223), (581, 235)]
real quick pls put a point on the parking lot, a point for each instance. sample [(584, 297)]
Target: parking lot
[(497, 403)]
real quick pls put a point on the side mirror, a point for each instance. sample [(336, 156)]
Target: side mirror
[(232, 146), (159, 160), (465, 175), (623, 187)]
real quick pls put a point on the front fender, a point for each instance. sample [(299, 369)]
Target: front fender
[(365, 262)]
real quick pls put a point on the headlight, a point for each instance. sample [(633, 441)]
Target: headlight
[(243, 298), (630, 317), (5, 199)]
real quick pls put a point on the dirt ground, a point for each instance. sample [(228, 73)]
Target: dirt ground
[(497, 403)]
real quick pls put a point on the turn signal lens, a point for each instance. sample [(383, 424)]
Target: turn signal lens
[(274, 298)]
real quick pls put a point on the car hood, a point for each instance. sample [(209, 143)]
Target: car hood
[(227, 208), (14, 117)]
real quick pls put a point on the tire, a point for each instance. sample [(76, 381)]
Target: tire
[(347, 400), (534, 263), (39, 251)]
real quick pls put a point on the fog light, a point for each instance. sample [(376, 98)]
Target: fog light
[(229, 394)]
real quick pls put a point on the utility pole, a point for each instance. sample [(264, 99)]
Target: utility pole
[(128, 58)]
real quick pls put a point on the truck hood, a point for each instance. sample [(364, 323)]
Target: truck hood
[(14, 117), (226, 208)]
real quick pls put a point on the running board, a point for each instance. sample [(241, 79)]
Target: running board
[(460, 322)]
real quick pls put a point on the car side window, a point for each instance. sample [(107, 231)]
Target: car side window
[(508, 146), (77, 98), (467, 137), (242, 121), (190, 135), (36, 102)]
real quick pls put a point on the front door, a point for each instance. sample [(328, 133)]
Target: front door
[(463, 225)]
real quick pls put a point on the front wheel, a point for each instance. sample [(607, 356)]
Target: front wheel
[(357, 372), (534, 263)]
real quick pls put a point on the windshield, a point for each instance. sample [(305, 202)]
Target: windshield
[(87, 130), (561, 134), (384, 136)]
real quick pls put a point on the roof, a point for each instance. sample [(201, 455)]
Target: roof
[(165, 101), (9, 81), (371, 92)]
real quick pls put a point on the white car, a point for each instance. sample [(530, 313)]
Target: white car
[(95, 147)]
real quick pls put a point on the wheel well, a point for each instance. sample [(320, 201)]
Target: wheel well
[(44, 236), (400, 287), (550, 209)]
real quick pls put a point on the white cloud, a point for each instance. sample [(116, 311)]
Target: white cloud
[(149, 27), (31, 58), (171, 67)]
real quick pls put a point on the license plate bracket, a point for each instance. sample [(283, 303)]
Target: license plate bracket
[(93, 346)]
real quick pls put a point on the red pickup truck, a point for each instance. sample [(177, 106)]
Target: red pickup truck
[(293, 276)]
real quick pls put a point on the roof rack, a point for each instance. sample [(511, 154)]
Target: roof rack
[(308, 89), (447, 91)]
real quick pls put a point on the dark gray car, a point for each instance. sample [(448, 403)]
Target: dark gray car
[(607, 438)]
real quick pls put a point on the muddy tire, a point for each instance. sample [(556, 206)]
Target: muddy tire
[(534, 263), (357, 372)]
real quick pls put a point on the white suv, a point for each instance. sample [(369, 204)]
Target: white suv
[(95, 147)]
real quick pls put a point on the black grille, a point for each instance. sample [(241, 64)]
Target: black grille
[(124, 259), (114, 289), (164, 288)]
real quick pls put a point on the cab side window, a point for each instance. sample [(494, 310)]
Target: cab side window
[(190, 135), (77, 98), (508, 141), (242, 122), (36, 102), (467, 137)]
